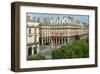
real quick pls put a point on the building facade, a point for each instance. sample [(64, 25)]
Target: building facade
[(32, 38), (59, 34)]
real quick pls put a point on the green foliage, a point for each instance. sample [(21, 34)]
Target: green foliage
[(77, 49), (35, 57), (57, 53)]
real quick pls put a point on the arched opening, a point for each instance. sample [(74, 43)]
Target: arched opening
[(66, 40), (60, 41), (57, 40), (40, 40), (35, 50), (77, 37), (29, 51)]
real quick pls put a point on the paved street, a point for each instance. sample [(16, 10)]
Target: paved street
[(46, 50)]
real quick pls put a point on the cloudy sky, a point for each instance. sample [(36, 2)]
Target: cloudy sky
[(81, 18)]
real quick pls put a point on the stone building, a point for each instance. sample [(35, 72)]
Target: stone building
[(32, 37), (59, 34)]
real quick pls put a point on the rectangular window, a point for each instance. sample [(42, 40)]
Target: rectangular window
[(29, 30), (35, 38), (35, 30)]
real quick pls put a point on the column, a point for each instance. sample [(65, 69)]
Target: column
[(27, 51), (62, 40), (32, 51), (59, 40), (42, 41), (50, 40), (67, 40), (37, 47), (53, 40), (47, 40), (56, 40)]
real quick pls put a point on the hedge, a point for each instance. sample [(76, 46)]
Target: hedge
[(36, 57)]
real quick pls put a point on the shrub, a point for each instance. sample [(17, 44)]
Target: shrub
[(35, 57)]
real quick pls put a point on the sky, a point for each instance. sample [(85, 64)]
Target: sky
[(81, 18)]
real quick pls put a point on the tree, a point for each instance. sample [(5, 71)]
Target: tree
[(77, 49)]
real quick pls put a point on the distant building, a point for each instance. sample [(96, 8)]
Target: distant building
[(52, 31)]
